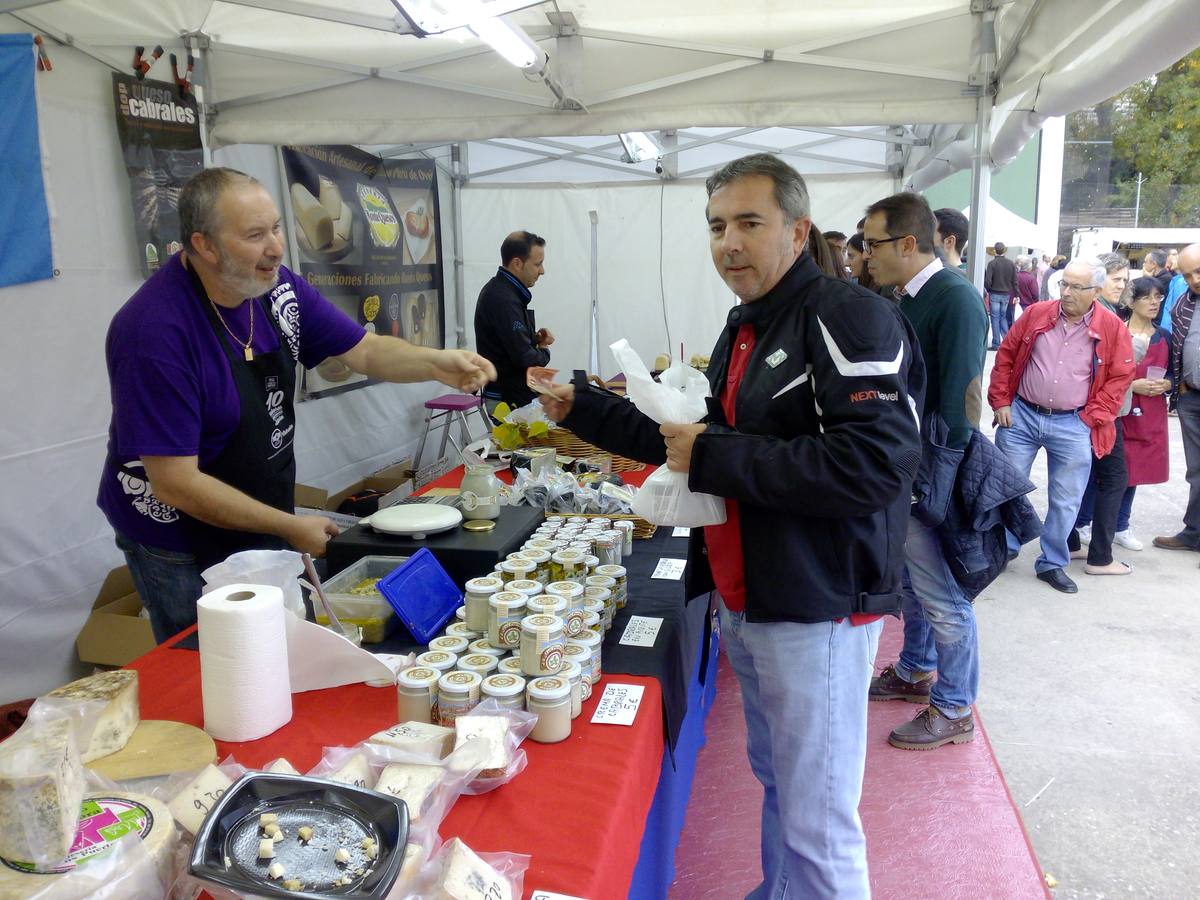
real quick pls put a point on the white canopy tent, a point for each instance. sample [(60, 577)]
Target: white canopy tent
[(861, 96)]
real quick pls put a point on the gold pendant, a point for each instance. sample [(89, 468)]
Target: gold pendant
[(248, 353)]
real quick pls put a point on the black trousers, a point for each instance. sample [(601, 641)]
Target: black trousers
[(1108, 481)]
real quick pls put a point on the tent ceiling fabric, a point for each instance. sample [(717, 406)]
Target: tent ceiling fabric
[(342, 71)]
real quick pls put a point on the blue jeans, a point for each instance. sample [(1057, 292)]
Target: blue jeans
[(1068, 445), (168, 582), (939, 626), (998, 313), (804, 693)]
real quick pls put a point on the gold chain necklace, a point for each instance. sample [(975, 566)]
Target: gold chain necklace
[(246, 351)]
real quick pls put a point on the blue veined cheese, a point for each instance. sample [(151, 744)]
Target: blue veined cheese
[(119, 692), (417, 737), (412, 783), (488, 737), (191, 805), (467, 877), (41, 786)]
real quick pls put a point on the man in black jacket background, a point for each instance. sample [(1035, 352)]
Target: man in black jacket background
[(505, 331), (813, 440)]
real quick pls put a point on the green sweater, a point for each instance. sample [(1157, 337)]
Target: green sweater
[(951, 325)]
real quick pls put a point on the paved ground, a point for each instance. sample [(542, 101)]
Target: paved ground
[(1092, 702)]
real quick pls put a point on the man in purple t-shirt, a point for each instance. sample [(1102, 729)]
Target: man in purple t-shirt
[(201, 364)]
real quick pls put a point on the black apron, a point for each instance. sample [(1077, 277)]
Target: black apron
[(259, 458)]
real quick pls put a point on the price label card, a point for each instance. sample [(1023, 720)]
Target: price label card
[(670, 569), (680, 531), (618, 704), (641, 631), (548, 895)]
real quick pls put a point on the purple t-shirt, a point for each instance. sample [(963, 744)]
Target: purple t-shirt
[(172, 388)]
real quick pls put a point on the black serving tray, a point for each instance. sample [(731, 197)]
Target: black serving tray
[(226, 849)]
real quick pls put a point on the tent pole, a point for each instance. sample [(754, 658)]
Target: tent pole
[(203, 84), (981, 167), (458, 160), (594, 337)]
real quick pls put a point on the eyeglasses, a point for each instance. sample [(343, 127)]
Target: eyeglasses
[(869, 245), (1078, 288)]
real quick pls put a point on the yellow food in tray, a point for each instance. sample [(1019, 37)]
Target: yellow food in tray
[(366, 588)]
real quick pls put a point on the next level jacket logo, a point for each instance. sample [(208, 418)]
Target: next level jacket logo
[(860, 396)]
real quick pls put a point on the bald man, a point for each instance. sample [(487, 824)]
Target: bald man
[(504, 323), (1185, 371)]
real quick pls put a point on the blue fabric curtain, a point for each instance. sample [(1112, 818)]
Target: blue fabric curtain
[(25, 252)]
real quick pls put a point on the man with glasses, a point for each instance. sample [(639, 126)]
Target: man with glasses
[(1058, 384), (951, 328)]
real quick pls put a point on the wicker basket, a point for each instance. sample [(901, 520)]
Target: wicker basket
[(566, 443), (641, 528)]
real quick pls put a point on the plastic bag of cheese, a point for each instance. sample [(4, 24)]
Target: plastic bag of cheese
[(493, 735), (428, 784), (457, 872)]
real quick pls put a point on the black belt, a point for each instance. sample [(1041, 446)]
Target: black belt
[(1047, 411)]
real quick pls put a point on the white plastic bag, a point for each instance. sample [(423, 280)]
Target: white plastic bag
[(677, 398), (280, 568)]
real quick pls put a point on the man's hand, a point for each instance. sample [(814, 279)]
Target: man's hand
[(462, 369), (559, 401), (310, 534), (679, 444), (597, 381), (545, 337), (1003, 418)]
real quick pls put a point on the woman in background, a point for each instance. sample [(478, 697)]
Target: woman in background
[(857, 264)]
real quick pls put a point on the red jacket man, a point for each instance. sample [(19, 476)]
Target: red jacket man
[(1112, 367)]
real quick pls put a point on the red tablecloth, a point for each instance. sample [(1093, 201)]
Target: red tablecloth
[(578, 809)]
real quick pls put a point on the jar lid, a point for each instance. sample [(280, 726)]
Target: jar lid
[(593, 605), (588, 639), (516, 566), (591, 561), (460, 680), (510, 600), (549, 687), (527, 587), (607, 540), (482, 646), (548, 604), (460, 629), (540, 545), (570, 670), (477, 661), (479, 525), (554, 519), (623, 525), (565, 556), (461, 613), (541, 623), (596, 595), (418, 676), (611, 571), (569, 589), (485, 585), (437, 659), (576, 649), (577, 520), (510, 665), (598, 580), (450, 643), (535, 554), (503, 684), (590, 618)]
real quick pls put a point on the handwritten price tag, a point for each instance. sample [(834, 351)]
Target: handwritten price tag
[(641, 631), (618, 704), (681, 531), (670, 569)]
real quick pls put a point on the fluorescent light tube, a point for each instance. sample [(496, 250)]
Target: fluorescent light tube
[(639, 146)]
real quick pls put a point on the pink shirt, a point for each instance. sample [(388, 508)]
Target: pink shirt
[(1059, 372)]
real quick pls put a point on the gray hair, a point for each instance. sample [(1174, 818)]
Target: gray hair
[(1024, 263), (1099, 272), (1158, 257), (791, 193), (1112, 262), (198, 201)]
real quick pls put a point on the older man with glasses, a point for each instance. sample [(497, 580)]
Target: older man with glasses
[(1058, 384)]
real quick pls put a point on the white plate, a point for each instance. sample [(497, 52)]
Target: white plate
[(418, 246), (414, 519)]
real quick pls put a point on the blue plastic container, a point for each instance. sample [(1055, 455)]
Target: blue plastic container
[(422, 594)]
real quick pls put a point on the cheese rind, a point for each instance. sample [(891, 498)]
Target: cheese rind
[(192, 804), (120, 717), (417, 737), (41, 786), (467, 877), (412, 783)]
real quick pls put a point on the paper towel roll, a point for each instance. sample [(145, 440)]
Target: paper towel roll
[(243, 661)]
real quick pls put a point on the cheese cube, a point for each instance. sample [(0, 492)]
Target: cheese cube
[(412, 783), (488, 735), (417, 737), (119, 692), (355, 771), (41, 787), (467, 877), (192, 804)]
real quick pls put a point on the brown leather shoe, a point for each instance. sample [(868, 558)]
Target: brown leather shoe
[(1173, 542), (887, 685), (931, 729)]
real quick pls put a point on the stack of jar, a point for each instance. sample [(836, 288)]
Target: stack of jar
[(522, 637)]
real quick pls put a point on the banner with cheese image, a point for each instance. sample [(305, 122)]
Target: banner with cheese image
[(364, 231)]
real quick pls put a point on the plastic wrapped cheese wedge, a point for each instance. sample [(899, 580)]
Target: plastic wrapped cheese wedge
[(41, 786), (116, 694), (123, 848)]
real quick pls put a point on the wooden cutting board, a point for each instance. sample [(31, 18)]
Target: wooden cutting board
[(158, 748)]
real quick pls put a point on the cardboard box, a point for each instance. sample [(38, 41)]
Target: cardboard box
[(395, 480), (114, 634)]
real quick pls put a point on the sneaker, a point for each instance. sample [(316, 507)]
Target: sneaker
[(932, 729), (1085, 534), (888, 685), (1128, 540)]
